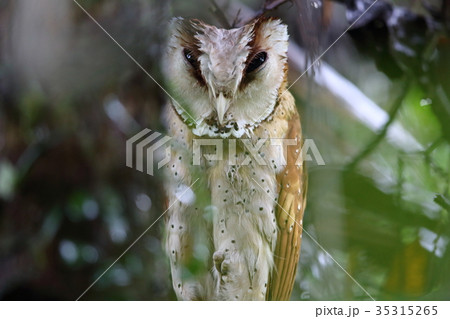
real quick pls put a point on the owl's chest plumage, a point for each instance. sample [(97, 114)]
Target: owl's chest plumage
[(229, 222)]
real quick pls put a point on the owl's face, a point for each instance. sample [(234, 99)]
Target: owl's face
[(227, 80)]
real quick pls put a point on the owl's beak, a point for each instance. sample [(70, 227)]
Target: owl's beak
[(222, 104)]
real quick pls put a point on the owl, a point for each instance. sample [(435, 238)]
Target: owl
[(235, 183)]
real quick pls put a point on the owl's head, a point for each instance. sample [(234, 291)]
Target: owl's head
[(228, 81)]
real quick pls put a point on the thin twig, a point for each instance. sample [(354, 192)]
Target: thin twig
[(236, 19), (442, 201), (269, 5), (220, 15), (377, 139)]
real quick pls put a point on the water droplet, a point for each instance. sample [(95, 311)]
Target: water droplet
[(185, 195), (90, 209), (316, 4), (68, 251), (143, 202), (425, 102)]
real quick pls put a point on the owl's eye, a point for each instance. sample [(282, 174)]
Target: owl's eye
[(256, 62), (189, 55)]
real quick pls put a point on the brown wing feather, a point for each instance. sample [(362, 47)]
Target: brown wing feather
[(292, 183)]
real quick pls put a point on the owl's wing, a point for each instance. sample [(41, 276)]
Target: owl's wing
[(292, 183)]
